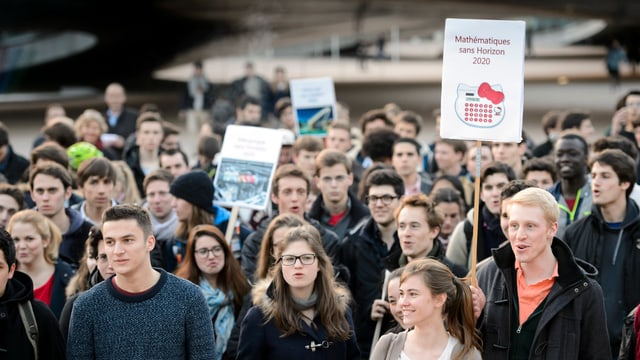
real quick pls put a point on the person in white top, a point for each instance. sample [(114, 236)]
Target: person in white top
[(429, 295)]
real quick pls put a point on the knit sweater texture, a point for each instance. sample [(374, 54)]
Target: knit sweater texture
[(169, 321)]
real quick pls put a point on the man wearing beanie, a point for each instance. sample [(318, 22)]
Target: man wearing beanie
[(193, 204)]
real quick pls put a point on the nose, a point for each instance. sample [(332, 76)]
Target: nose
[(297, 263)]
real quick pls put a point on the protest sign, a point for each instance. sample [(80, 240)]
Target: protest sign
[(314, 105)]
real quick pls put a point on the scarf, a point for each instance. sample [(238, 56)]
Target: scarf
[(301, 305), (221, 311)]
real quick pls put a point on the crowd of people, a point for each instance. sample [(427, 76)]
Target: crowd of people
[(111, 245)]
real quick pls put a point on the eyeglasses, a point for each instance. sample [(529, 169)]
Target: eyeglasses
[(290, 260), (204, 252), (386, 199)]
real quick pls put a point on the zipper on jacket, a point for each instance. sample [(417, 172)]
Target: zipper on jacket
[(519, 329)]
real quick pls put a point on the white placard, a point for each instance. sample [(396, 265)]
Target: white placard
[(248, 161), (483, 80), (314, 104)]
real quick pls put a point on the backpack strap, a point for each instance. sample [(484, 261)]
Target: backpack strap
[(30, 325)]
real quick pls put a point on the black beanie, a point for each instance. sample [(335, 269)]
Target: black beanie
[(196, 187)]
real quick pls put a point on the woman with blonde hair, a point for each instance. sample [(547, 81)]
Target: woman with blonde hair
[(209, 263), (89, 127), (125, 190), (437, 310), (302, 312), (37, 240)]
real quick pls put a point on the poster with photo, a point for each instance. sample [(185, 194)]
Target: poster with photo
[(248, 161), (314, 105)]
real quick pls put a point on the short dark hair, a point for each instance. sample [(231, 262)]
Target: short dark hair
[(129, 212), (408, 141), (573, 119), (208, 146), (288, 170), (539, 164), (453, 180), (8, 247), (514, 187), (378, 144), (411, 118), (330, 157), (50, 150), (247, 100), (373, 115), (307, 143), (616, 142), (157, 175), (550, 121), (61, 133), (495, 167), (52, 169), (621, 163), (281, 105), (13, 191), (151, 117), (572, 136), (169, 128), (459, 146), (448, 195), (385, 177), (100, 167), (4, 134), (171, 152)]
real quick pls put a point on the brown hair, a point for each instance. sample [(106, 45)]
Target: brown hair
[(197, 217), (230, 279), (332, 314), (434, 218), (288, 170), (307, 143), (330, 157)]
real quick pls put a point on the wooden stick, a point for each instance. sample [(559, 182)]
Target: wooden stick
[(476, 214), (231, 225), (376, 333)]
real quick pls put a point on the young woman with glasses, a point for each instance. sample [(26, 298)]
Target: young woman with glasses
[(209, 263), (302, 313)]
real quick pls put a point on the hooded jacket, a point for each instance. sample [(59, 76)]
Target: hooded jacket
[(572, 324), (261, 339), (586, 238), (14, 343)]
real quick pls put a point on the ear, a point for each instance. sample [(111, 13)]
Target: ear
[(12, 269), (67, 193), (151, 242), (433, 232), (274, 198), (522, 148), (553, 228), (350, 179), (316, 180), (440, 300), (624, 185)]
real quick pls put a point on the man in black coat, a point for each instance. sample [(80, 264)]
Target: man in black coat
[(12, 165), (120, 119)]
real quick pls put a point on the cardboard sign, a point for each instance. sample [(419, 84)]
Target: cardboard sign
[(483, 80), (314, 105), (248, 161)]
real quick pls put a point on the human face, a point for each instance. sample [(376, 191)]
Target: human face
[(126, 246), (393, 294), (405, 130), (115, 97), (508, 153), (6, 273), (606, 186), (170, 142), (632, 105), (446, 157), (213, 262), (49, 194), (338, 139), (291, 196), (250, 114), (571, 160), (159, 199), (334, 182), (278, 237), (182, 208), (307, 162), (97, 191), (149, 136), (174, 164), (530, 234), (405, 159), (485, 158), (416, 237), (504, 216), (287, 119), (286, 154), (102, 261), (587, 130), (419, 306), (372, 125), (541, 179), (451, 214), (299, 277), (490, 192), (29, 243), (90, 132), (8, 207), (382, 213)]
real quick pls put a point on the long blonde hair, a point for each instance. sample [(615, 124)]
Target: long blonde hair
[(44, 227), (125, 177)]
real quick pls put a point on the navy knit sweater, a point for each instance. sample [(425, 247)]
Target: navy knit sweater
[(170, 321)]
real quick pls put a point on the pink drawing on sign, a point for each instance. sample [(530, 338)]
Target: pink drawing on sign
[(485, 91)]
